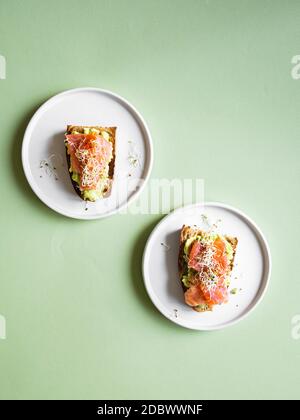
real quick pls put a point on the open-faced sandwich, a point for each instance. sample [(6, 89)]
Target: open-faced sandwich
[(205, 263), (91, 159)]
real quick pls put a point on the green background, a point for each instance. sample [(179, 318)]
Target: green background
[(213, 81)]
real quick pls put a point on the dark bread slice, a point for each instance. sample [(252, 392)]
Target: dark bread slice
[(112, 132), (188, 232)]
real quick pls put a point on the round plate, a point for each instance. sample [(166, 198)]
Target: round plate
[(44, 155), (250, 274)]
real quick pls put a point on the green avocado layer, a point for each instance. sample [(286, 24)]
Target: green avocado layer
[(91, 195)]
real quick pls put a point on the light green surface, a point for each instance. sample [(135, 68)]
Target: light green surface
[(213, 80)]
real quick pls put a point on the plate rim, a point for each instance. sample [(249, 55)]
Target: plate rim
[(266, 278), (26, 140)]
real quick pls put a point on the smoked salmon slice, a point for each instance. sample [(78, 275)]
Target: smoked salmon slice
[(215, 294), (89, 155), (196, 251), (194, 296), (205, 259), (205, 264)]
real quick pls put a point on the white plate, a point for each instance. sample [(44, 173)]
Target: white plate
[(251, 270), (44, 141)]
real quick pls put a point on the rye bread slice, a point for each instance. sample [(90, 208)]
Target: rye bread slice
[(112, 132), (188, 232)]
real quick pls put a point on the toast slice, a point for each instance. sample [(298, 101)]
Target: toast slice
[(107, 133), (187, 234)]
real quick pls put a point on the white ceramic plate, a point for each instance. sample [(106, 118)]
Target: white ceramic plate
[(251, 270), (44, 156)]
